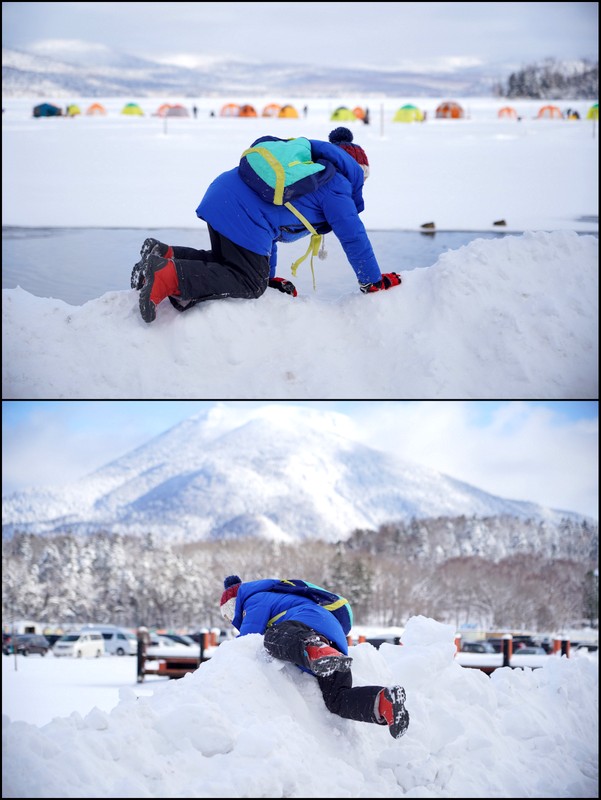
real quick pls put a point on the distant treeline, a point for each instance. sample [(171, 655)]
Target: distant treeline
[(388, 575), (553, 80)]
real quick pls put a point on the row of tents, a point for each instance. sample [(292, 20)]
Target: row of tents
[(449, 109), (97, 109)]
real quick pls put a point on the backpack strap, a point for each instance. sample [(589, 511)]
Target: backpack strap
[(313, 244)]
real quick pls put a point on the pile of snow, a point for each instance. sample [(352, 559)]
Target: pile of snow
[(245, 726), (504, 318)]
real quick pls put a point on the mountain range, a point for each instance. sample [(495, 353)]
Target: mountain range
[(70, 71), (281, 473)]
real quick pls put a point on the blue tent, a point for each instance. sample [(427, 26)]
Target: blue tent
[(47, 110)]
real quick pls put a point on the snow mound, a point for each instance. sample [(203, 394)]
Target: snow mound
[(246, 726), (501, 318)]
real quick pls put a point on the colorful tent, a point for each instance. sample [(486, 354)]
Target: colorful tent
[(343, 114), (449, 110), (230, 110), (247, 111), (161, 110), (73, 110), (593, 112), (177, 110), (507, 112), (132, 109), (288, 111), (96, 109), (549, 112), (359, 112), (47, 110), (408, 113), (271, 110)]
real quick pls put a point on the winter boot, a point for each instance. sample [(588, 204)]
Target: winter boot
[(322, 659), (149, 246), (391, 711), (160, 281)]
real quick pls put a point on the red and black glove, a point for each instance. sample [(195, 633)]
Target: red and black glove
[(283, 285), (387, 281)]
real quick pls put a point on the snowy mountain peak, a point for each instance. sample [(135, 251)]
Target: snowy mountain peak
[(276, 472)]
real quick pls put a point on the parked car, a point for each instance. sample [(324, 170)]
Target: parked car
[(26, 643), (164, 646), (477, 647), (117, 641), (87, 644), (530, 651)]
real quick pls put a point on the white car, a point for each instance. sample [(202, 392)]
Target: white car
[(86, 644), (117, 641)]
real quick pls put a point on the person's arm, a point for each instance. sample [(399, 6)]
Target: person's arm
[(342, 215)]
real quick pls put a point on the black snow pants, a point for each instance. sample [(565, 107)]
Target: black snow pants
[(286, 641), (227, 270)]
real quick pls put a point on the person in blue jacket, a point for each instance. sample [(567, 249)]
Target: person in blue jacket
[(298, 630), (244, 232)]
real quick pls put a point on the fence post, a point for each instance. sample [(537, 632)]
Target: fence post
[(457, 643), (507, 648), (562, 643)]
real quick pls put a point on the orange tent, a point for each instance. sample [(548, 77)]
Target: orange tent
[(507, 112), (549, 112), (162, 110), (247, 111), (271, 110), (288, 111), (449, 110), (359, 112), (230, 110), (96, 108)]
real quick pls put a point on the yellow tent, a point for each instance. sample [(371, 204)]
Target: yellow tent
[(593, 112), (73, 110), (408, 113), (132, 109), (343, 114), (288, 111)]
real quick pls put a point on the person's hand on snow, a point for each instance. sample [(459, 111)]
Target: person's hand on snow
[(388, 280), (283, 286)]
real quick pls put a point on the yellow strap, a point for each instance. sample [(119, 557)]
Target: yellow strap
[(313, 245), (273, 619), (337, 604), (280, 175)]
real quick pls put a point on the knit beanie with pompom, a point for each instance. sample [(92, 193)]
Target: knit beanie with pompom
[(228, 599), (343, 137)]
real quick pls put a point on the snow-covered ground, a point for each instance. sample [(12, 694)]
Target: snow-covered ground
[(506, 318), (244, 726)]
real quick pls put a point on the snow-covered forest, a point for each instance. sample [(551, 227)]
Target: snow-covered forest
[(553, 80), (388, 576)]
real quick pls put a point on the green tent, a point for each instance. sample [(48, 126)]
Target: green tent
[(343, 114), (593, 112), (133, 109), (408, 113)]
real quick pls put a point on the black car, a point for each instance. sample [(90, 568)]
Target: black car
[(26, 643)]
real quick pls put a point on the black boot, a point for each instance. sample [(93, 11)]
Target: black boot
[(149, 246), (392, 712)]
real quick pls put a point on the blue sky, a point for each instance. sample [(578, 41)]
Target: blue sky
[(543, 451), (385, 35)]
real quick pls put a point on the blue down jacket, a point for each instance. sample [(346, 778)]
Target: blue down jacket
[(237, 212), (256, 605)]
